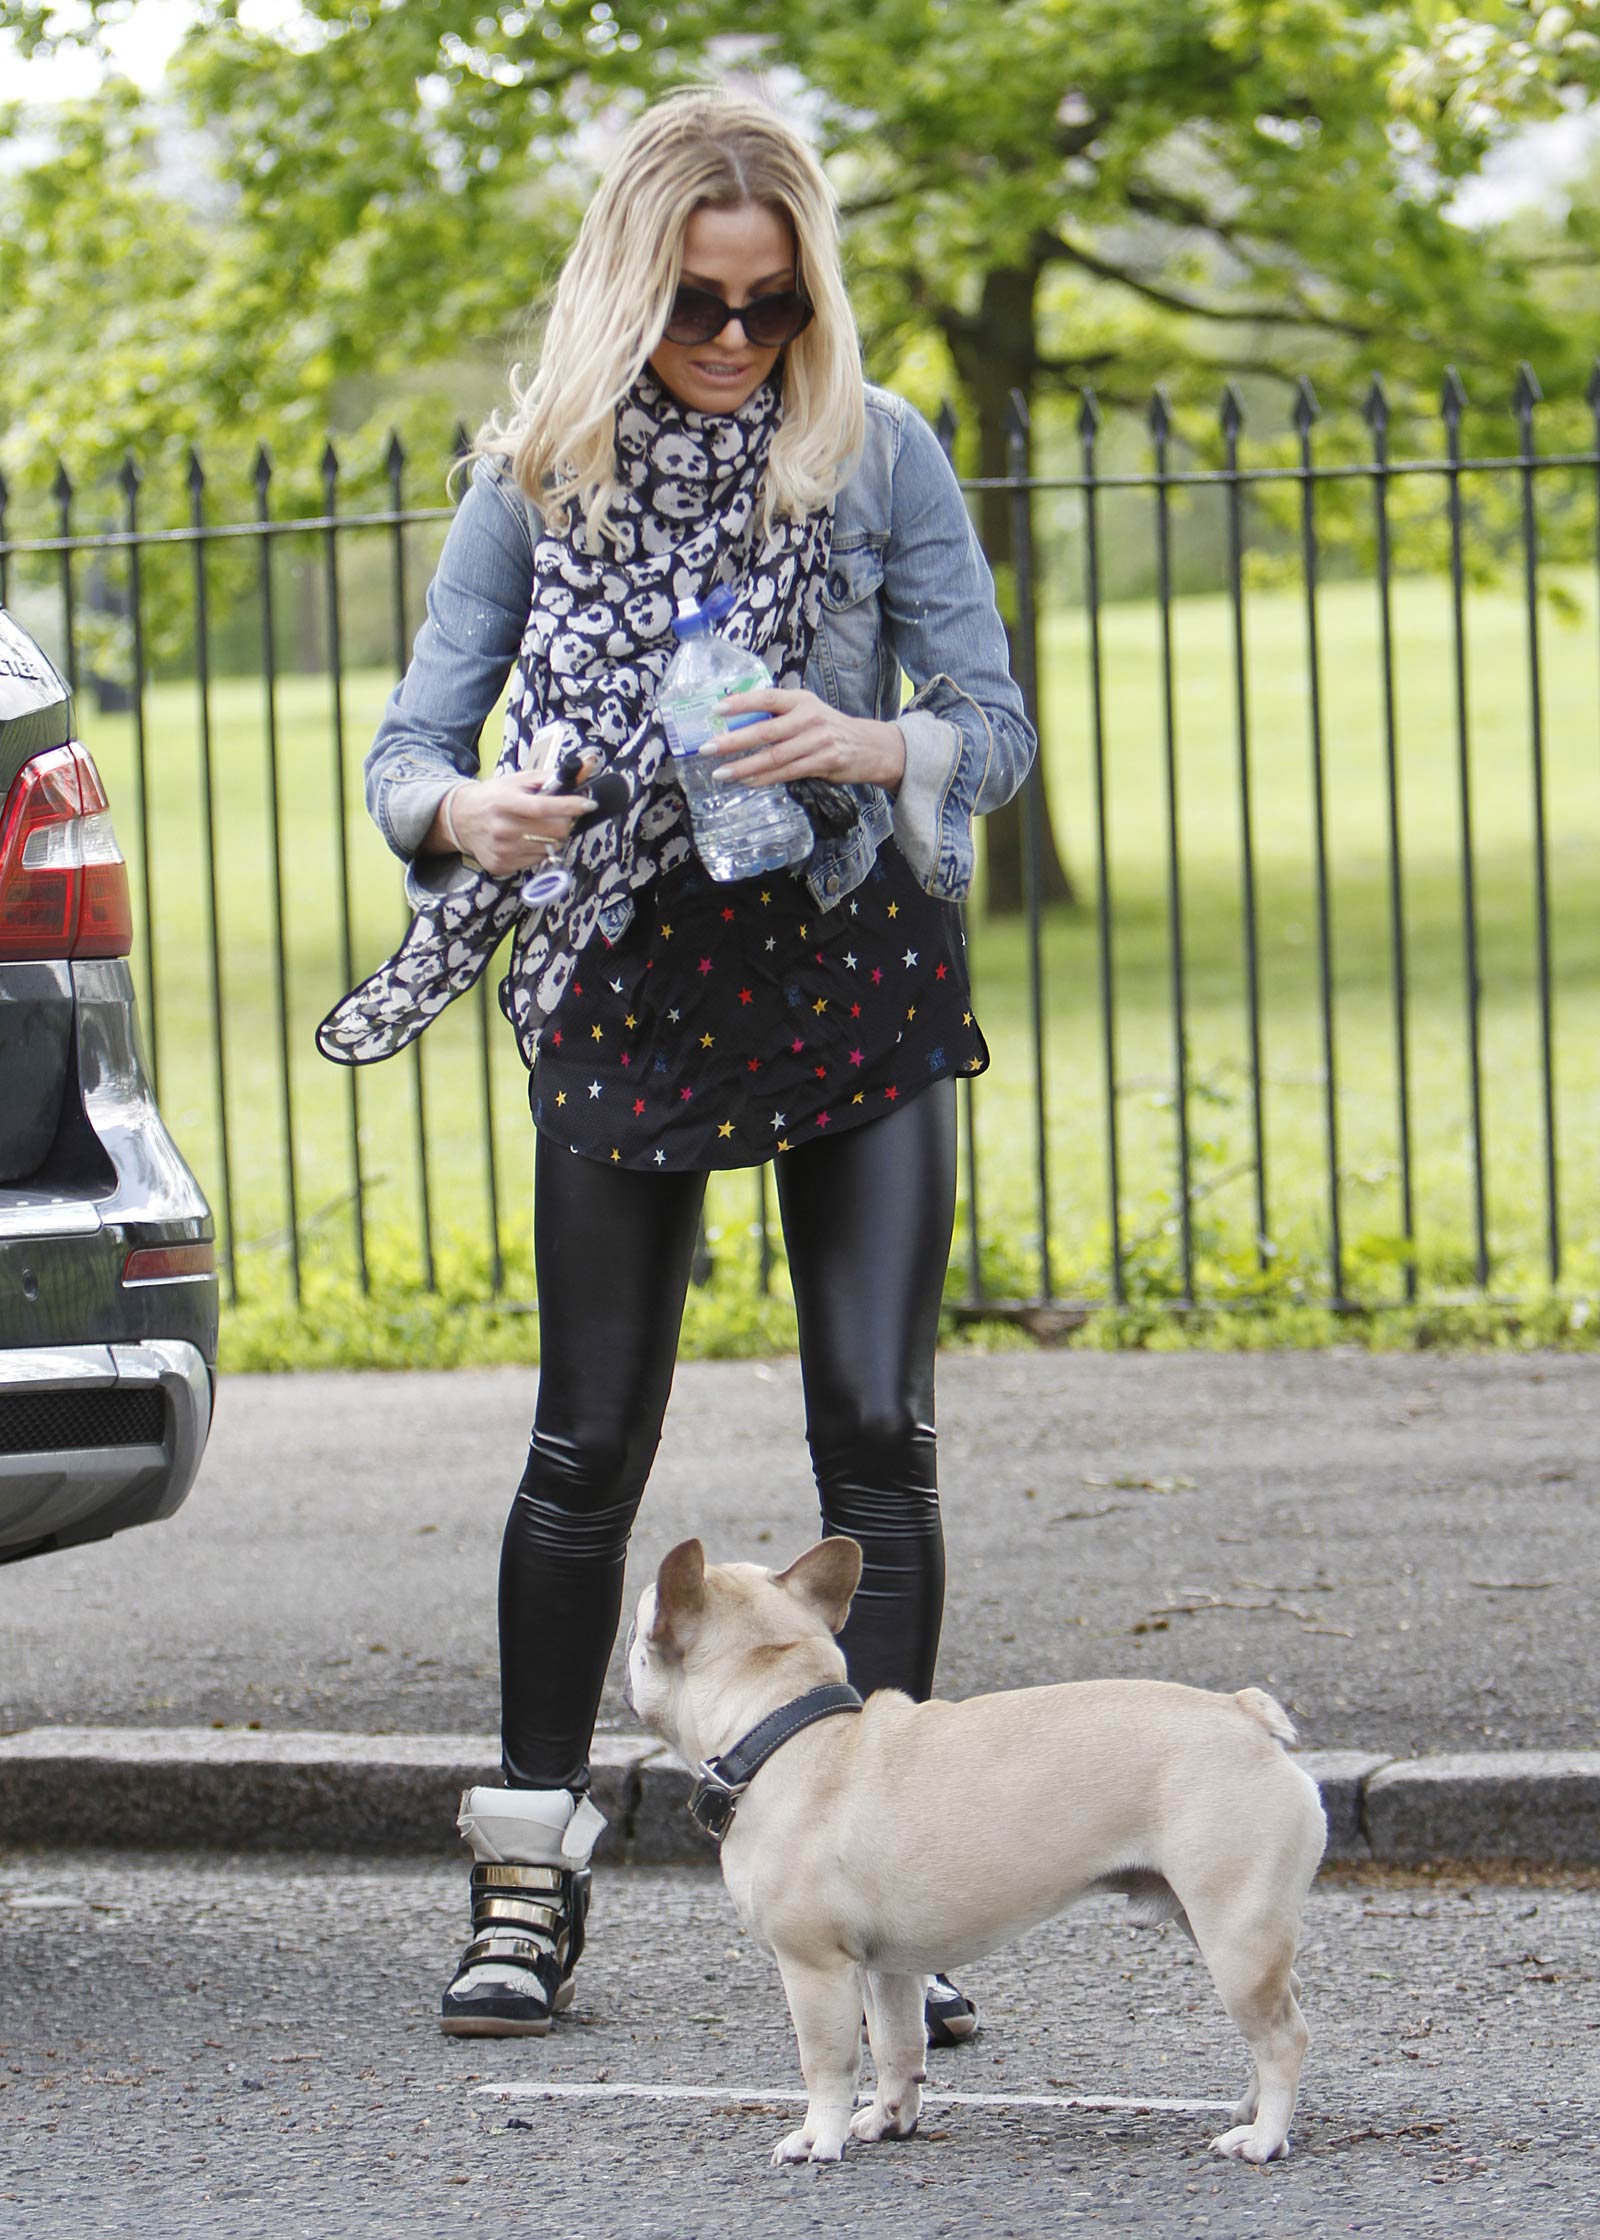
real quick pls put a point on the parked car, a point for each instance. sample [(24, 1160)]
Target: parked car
[(108, 1287)]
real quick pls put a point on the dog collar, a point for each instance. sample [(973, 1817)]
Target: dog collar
[(724, 1779)]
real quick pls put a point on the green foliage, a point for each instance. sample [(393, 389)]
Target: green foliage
[(1464, 1326), (92, 245), (1040, 193), (396, 1325)]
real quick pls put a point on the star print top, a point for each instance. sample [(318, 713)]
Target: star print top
[(732, 1021)]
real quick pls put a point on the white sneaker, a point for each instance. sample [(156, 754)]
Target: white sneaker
[(530, 1901)]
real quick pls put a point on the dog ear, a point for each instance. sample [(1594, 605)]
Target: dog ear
[(680, 1595), (825, 1578)]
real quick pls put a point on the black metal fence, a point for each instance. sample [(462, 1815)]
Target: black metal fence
[(1324, 1024)]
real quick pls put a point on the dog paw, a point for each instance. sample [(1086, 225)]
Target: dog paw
[(799, 2146), (883, 2120), (1248, 2143)]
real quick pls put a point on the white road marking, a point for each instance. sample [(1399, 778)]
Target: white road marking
[(753, 2095)]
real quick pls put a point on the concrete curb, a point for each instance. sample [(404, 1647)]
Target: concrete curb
[(1517, 1804), (231, 1789), (166, 1788)]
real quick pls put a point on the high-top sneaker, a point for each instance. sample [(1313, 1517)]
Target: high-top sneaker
[(530, 1899), (950, 2016)]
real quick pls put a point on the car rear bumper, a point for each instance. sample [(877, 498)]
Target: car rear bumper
[(115, 1181), (94, 1438)]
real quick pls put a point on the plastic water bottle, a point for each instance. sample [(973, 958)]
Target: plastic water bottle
[(738, 830)]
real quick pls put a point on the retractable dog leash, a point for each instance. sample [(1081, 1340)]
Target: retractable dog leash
[(579, 770)]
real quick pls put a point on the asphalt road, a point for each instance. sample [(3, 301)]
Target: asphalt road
[(1406, 1549), (213, 2048)]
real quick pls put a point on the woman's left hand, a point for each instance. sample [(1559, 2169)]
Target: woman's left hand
[(805, 738)]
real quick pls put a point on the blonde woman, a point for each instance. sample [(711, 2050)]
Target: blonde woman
[(698, 419)]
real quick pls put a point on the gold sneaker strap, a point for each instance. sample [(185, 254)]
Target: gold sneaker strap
[(513, 1877), (491, 1906), (505, 1945)]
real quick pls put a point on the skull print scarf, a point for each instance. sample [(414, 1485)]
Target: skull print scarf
[(596, 647)]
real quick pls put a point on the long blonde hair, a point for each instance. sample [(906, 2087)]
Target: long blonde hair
[(703, 147)]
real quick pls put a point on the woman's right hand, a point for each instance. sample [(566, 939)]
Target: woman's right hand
[(506, 824)]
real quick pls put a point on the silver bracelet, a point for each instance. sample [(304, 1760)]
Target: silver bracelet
[(448, 821)]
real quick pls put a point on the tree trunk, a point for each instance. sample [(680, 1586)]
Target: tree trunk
[(994, 354)]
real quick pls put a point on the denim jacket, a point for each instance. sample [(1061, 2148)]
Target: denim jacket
[(908, 590)]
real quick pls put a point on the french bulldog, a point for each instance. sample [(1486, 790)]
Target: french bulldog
[(885, 1844)]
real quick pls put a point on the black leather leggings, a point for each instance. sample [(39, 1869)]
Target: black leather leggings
[(866, 1219)]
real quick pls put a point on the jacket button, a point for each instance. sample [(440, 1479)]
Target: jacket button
[(831, 885), (836, 584)]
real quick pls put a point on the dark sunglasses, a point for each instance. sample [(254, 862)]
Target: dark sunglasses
[(698, 315)]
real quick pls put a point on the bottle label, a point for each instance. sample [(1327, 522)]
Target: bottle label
[(692, 723)]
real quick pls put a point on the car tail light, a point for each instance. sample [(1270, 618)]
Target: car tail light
[(63, 881), (164, 1263)]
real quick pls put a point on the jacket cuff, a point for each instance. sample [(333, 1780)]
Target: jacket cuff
[(933, 755), (408, 807)]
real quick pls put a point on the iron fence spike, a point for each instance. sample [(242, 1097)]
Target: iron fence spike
[(1592, 388), (61, 487), (1089, 416), (194, 473), (1375, 406), (1452, 397), (261, 469), (945, 427), (1160, 414), (461, 442), (1230, 413), (1307, 411), (129, 477), (394, 456), (1527, 392), (1017, 420), (330, 462)]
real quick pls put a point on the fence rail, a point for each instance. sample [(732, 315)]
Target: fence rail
[(1286, 720)]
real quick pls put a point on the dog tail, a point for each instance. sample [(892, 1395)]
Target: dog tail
[(1270, 1712)]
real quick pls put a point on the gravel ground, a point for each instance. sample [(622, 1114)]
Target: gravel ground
[(209, 2047)]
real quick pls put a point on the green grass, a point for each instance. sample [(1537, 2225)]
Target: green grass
[(404, 1323), (1365, 1063)]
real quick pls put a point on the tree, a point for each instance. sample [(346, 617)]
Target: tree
[(1042, 196)]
